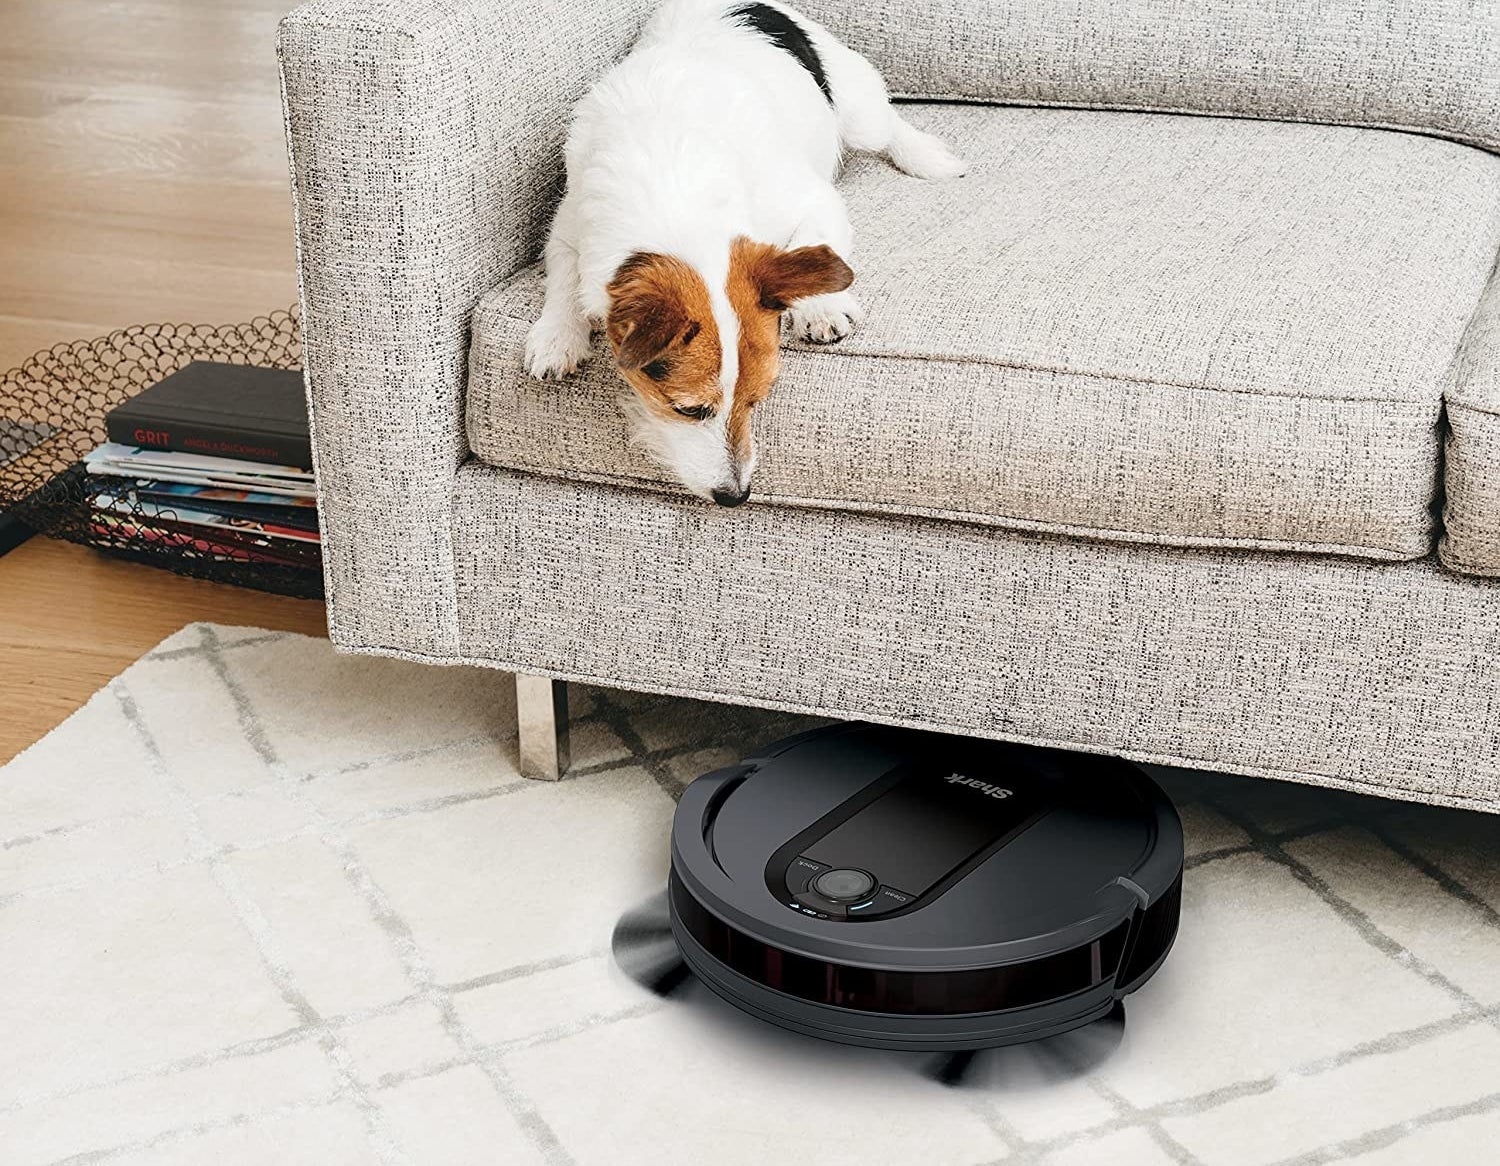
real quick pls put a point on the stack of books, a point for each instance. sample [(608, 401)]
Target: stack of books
[(213, 462)]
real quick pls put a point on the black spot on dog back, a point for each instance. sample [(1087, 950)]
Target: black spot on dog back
[(785, 33)]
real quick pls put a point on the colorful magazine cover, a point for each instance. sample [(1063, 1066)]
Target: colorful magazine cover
[(125, 501), (112, 530), (297, 513)]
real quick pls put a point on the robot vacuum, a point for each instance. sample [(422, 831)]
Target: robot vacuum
[(914, 891)]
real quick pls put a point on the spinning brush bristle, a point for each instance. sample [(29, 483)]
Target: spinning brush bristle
[(1036, 1063), (645, 950), (951, 1068)]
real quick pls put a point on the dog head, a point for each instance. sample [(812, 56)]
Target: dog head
[(690, 406)]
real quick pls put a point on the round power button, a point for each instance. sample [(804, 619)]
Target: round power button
[(844, 885)]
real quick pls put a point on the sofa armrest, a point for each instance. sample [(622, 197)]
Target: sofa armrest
[(425, 143)]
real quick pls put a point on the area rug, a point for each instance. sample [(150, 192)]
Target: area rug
[(261, 903)]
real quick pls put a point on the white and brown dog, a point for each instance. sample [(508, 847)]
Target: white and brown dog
[(700, 206)]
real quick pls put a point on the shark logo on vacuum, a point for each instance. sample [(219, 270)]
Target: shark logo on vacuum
[(994, 791)]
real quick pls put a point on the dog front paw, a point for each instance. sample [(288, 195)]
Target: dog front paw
[(825, 319), (556, 348)]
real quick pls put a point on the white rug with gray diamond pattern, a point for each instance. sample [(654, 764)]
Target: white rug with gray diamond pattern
[(261, 903)]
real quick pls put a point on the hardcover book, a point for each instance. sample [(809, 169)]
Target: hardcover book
[(220, 410)]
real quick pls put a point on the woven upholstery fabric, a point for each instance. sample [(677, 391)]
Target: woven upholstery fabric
[(1183, 330), (1430, 65), (1373, 676), (425, 140), (1471, 510)]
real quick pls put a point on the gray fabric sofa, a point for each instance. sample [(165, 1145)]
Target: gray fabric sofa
[(1173, 429)]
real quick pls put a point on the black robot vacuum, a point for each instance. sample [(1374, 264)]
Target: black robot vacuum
[(906, 890)]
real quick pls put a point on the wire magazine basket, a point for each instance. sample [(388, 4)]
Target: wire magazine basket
[(52, 411)]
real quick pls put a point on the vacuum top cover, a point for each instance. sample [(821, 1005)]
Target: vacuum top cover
[(887, 848)]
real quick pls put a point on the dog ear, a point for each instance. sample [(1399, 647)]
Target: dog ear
[(784, 277), (647, 311), (642, 328)]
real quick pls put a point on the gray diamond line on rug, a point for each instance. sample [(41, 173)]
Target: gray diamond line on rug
[(415, 965), (260, 933), (295, 899)]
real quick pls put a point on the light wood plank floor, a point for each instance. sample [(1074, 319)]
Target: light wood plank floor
[(142, 178), (73, 618)]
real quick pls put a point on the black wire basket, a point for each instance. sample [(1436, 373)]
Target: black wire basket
[(52, 412)]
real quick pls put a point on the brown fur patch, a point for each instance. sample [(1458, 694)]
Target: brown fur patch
[(763, 281), (760, 339), (661, 327)]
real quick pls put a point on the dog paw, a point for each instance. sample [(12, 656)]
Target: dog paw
[(555, 349), (825, 319)]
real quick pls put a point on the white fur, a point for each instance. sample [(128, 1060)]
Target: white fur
[(695, 452), (704, 133)]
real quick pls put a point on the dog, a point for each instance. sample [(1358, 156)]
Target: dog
[(700, 206)]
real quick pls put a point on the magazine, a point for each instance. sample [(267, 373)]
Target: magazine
[(109, 498), (298, 513), (151, 465), (118, 531)]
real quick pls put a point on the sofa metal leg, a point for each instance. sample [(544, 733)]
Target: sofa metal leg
[(542, 726)]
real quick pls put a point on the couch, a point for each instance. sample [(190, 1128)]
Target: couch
[(1172, 431)]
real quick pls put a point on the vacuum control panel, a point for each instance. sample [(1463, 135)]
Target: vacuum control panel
[(900, 841)]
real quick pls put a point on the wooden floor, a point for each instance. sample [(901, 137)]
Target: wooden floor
[(142, 178), (73, 618)]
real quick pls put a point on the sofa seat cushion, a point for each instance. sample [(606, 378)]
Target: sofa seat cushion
[(1471, 507), (1144, 327)]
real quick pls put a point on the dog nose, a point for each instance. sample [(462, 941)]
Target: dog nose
[(731, 497)]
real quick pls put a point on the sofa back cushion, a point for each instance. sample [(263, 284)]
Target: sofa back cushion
[(1427, 65)]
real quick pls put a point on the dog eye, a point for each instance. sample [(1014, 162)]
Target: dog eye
[(696, 412), (657, 370)]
